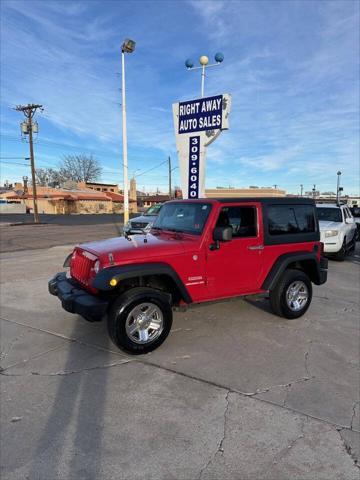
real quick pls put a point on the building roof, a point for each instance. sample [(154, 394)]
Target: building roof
[(115, 197), (102, 184)]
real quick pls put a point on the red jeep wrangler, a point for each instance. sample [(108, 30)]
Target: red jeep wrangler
[(197, 251)]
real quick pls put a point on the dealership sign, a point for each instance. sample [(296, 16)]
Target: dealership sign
[(197, 124)]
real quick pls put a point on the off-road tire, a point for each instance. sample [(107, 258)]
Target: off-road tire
[(341, 254), (123, 305), (278, 294)]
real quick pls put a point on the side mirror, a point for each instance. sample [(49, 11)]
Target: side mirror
[(349, 220), (222, 234)]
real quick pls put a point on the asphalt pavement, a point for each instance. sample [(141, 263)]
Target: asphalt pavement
[(234, 393), (89, 219)]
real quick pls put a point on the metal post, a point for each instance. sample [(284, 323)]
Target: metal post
[(301, 190), (169, 160), (338, 187), (124, 139), (202, 81)]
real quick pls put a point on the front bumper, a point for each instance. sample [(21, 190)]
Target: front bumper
[(74, 299)]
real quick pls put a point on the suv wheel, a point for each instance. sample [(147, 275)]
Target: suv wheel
[(341, 254), (292, 295), (140, 320)]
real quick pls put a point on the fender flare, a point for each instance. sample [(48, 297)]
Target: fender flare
[(122, 272), (286, 259)]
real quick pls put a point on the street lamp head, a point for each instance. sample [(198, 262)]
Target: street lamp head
[(128, 46), (204, 60), (189, 63), (219, 57), (339, 173)]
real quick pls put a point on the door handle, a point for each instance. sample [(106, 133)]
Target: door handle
[(256, 247)]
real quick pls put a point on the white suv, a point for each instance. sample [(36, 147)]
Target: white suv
[(337, 229)]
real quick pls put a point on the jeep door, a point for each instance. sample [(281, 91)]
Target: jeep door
[(235, 267)]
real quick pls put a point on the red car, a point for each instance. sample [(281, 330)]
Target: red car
[(197, 251)]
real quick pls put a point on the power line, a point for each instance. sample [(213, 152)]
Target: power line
[(16, 163), (150, 169), (12, 158)]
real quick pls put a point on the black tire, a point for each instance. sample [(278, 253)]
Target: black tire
[(341, 254), (278, 300), (123, 306)]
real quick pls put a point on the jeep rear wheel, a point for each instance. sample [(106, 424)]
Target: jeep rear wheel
[(140, 320), (292, 295)]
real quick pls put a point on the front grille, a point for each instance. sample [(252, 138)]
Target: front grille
[(81, 266), (138, 225)]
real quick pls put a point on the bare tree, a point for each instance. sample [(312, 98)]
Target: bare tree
[(48, 176), (80, 168)]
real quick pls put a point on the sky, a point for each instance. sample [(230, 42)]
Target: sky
[(291, 67)]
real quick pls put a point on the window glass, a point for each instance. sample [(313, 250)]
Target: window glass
[(241, 219), (183, 217), (290, 219), (329, 214), (154, 210)]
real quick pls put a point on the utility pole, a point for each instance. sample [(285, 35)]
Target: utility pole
[(301, 189), (169, 160), (275, 186), (29, 111)]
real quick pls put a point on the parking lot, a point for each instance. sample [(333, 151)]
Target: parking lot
[(234, 393)]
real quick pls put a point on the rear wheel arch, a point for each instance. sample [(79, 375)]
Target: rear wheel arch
[(306, 262)]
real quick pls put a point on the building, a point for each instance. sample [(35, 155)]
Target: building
[(75, 200), (101, 187), (244, 192), (149, 200)]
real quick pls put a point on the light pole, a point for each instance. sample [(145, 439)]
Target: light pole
[(338, 186), (127, 47), (170, 172), (204, 62), (301, 189)]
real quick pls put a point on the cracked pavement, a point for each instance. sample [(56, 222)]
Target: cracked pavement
[(234, 393)]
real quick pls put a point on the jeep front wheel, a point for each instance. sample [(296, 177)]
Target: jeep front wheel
[(140, 320), (341, 254), (292, 295)]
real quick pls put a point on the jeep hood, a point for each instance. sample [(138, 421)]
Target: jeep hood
[(140, 247)]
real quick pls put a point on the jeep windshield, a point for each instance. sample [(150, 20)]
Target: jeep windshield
[(183, 217), (329, 214)]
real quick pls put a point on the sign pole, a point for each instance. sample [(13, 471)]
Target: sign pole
[(202, 81)]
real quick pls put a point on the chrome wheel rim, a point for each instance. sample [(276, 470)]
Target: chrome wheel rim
[(144, 323), (297, 296)]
